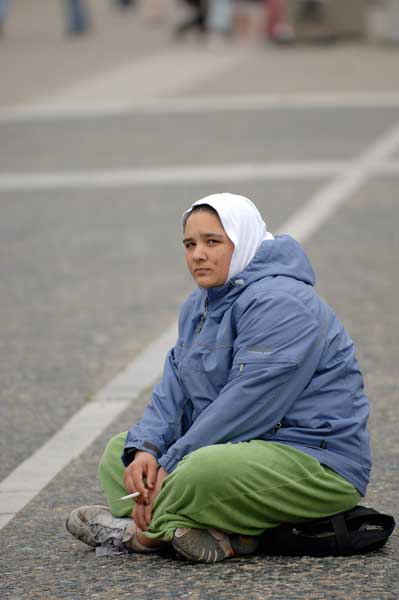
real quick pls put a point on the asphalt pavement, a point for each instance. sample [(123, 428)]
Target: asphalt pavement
[(91, 274)]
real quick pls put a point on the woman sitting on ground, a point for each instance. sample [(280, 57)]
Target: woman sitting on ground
[(260, 417)]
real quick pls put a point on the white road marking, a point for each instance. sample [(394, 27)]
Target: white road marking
[(68, 107), (389, 167), (183, 174), (157, 75), (164, 175)]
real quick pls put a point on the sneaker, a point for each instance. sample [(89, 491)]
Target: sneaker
[(95, 526), (211, 545)]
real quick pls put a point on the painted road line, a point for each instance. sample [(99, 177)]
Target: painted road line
[(165, 73), (182, 174), (169, 175), (67, 108), (389, 167), (31, 476)]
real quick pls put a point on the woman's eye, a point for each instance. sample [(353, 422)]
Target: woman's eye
[(212, 242)]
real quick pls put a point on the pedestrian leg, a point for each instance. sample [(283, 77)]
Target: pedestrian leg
[(77, 16), (4, 4)]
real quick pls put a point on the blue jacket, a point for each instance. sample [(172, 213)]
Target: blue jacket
[(262, 357)]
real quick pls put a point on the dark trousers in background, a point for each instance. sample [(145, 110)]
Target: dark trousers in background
[(198, 20), (77, 16)]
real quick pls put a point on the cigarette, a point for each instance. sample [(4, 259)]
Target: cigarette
[(134, 495)]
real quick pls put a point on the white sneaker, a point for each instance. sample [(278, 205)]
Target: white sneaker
[(95, 526)]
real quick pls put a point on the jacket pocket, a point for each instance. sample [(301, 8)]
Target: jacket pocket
[(252, 358)]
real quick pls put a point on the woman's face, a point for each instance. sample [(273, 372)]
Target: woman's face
[(208, 249)]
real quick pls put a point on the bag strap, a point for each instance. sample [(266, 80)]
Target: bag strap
[(343, 539)]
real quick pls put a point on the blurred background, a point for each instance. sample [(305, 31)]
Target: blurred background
[(46, 45)]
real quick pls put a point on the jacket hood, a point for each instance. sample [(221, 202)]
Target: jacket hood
[(281, 256)]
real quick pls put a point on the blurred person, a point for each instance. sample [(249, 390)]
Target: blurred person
[(77, 16), (247, 19), (312, 22), (220, 17), (4, 6), (260, 417), (391, 34), (197, 20), (276, 27), (155, 12), (312, 10), (125, 3)]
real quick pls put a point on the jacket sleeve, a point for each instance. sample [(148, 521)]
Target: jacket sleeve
[(276, 351), (160, 424)]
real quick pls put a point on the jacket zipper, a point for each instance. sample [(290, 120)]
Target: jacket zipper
[(203, 317)]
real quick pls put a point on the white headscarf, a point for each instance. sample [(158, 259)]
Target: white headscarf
[(242, 223)]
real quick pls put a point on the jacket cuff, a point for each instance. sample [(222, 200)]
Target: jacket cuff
[(169, 463), (130, 451)]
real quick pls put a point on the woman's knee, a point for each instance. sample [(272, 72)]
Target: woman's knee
[(112, 455)]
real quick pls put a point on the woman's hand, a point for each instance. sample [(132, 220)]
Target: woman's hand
[(144, 465), (142, 513)]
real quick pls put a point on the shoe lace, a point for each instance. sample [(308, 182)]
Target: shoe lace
[(107, 536)]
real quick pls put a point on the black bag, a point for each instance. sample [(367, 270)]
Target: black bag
[(355, 531)]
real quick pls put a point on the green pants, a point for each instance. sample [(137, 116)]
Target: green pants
[(238, 488)]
